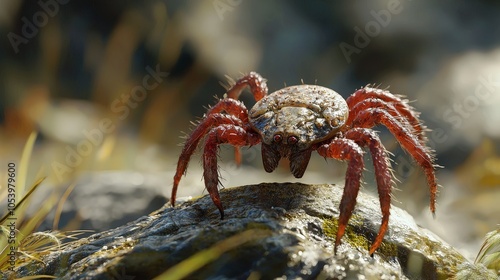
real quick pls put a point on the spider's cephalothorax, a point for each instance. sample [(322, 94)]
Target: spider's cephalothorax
[(294, 121)]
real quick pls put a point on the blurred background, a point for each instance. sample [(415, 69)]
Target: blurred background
[(110, 86)]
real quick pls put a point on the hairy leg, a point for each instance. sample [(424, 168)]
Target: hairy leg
[(223, 134), (258, 88), (231, 107), (401, 105), (345, 149), (371, 103), (254, 81), (422, 154), (235, 113), (368, 138)]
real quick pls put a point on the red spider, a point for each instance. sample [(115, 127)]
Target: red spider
[(294, 121)]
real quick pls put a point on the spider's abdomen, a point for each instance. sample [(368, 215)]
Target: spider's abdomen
[(310, 113)]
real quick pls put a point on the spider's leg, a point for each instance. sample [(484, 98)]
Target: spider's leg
[(232, 107), (400, 104), (192, 142), (345, 149), (236, 113), (223, 134), (258, 88), (378, 103), (368, 138), (420, 153), (254, 81)]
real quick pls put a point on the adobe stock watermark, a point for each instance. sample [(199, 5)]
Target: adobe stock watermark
[(463, 109), (31, 26), (372, 29), (10, 228), (455, 114), (122, 107), (223, 6)]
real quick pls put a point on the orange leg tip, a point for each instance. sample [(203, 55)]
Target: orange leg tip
[(374, 248), (237, 156)]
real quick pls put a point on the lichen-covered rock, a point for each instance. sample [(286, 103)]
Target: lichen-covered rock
[(292, 229)]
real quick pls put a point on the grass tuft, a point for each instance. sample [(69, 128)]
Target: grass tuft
[(17, 231)]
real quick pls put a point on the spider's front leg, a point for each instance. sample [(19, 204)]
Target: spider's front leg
[(252, 80), (224, 134), (346, 149), (212, 119), (235, 114), (258, 88)]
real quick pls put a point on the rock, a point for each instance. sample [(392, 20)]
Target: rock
[(106, 200), (283, 231)]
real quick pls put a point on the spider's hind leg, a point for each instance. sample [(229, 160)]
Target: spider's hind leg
[(408, 140)]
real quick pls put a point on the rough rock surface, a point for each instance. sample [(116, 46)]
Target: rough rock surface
[(292, 225), (107, 199)]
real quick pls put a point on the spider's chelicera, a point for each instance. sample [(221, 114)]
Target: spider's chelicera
[(294, 121)]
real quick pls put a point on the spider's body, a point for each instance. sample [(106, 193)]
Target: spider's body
[(294, 121), (291, 120), (313, 113)]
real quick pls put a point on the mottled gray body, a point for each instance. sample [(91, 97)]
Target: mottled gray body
[(309, 112)]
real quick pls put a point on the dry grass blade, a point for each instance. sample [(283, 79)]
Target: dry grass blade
[(27, 245), (24, 163), (20, 234), (489, 255), (31, 224), (18, 211), (41, 241), (60, 205), (37, 277), (27, 195), (202, 258)]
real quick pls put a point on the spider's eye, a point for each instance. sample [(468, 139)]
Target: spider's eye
[(277, 138), (293, 140)]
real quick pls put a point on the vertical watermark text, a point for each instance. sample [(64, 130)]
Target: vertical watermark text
[(11, 218)]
